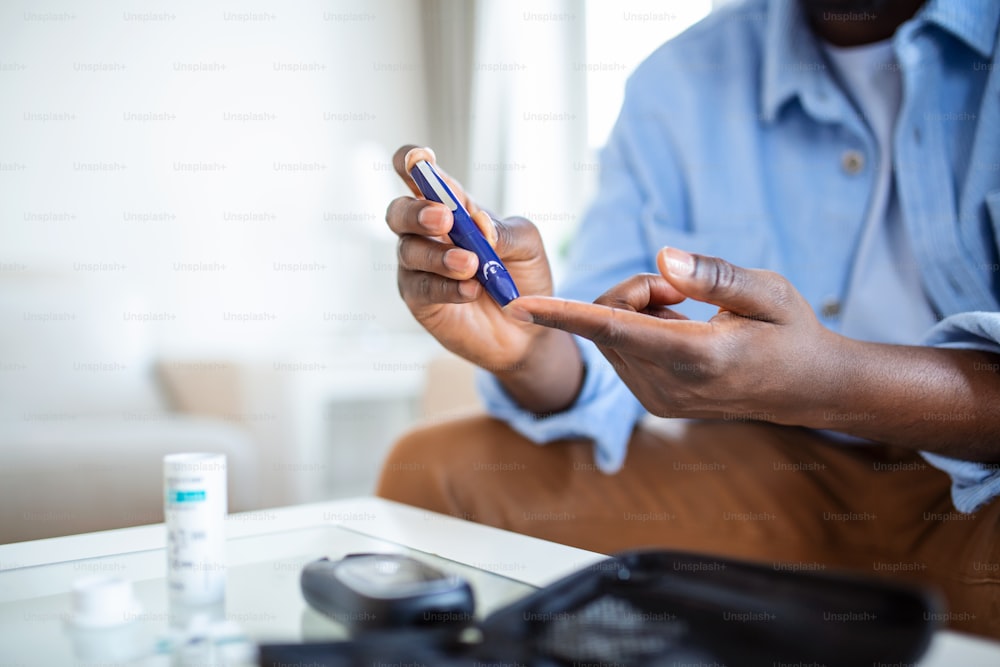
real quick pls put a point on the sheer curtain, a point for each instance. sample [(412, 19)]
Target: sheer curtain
[(507, 86), (507, 94), (448, 39)]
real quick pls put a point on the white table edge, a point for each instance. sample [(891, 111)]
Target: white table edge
[(519, 557), (537, 562)]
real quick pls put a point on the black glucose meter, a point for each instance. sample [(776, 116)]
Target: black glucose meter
[(378, 591)]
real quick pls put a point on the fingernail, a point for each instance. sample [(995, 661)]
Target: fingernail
[(679, 262), (424, 218), (455, 260), (514, 311), (468, 288)]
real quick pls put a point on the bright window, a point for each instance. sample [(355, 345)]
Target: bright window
[(620, 35)]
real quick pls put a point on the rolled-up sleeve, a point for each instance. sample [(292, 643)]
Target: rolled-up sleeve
[(972, 484), (605, 411)]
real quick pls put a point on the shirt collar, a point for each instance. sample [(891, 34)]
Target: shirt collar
[(791, 60), (793, 65), (972, 21)]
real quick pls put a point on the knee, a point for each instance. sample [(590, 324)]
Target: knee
[(428, 463), (410, 461)]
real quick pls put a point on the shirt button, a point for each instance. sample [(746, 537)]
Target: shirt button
[(852, 161), (830, 308)]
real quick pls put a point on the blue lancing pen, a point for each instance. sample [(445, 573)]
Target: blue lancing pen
[(491, 273)]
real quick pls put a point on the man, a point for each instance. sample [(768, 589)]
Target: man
[(852, 149)]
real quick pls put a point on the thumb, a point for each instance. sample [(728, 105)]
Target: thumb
[(486, 226), (750, 293)]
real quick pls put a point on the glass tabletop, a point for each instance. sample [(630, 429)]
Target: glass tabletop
[(263, 603)]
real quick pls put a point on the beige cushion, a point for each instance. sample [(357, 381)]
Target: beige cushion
[(450, 390), (99, 473)]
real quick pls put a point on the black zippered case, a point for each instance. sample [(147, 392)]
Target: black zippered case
[(666, 609)]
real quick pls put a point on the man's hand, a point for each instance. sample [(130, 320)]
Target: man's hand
[(765, 357), (540, 368), (761, 357)]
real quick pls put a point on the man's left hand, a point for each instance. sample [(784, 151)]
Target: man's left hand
[(764, 356)]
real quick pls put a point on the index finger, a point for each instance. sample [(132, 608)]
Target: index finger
[(406, 215), (624, 330)]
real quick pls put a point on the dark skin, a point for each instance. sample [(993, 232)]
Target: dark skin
[(540, 368), (857, 22), (764, 356)]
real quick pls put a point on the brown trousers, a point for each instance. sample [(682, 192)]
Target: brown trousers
[(778, 495)]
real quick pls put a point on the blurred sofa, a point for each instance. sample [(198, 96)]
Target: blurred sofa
[(88, 409), (85, 419)]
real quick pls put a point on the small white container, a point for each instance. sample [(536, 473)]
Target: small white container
[(102, 627), (103, 601), (195, 512)]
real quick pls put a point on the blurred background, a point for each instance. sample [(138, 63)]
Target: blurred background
[(193, 254)]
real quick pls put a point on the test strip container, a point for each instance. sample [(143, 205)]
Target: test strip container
[(195, 512)]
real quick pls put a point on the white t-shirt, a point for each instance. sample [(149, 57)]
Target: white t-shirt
[(885, 265)]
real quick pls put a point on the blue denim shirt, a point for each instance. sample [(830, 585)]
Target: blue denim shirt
[(736, 140)]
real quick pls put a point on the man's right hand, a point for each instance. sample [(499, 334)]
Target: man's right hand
[(437, 282)]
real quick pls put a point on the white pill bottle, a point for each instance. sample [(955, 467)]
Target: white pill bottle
[(195, 512)]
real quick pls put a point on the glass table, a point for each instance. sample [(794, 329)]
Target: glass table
[(266, 551)]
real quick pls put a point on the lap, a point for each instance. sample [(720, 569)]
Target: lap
[(748, 490)]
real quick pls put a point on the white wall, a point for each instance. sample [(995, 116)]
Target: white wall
[(207, 181), (191, 152), (200, 181)]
